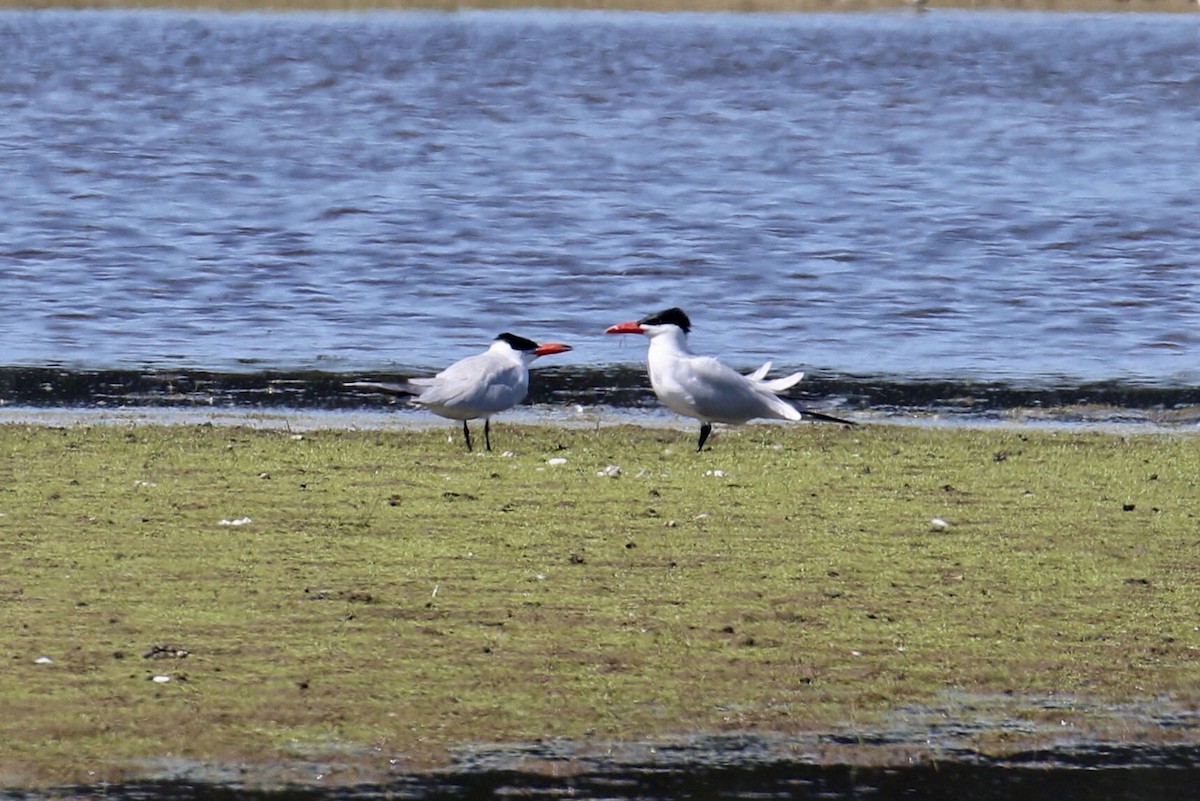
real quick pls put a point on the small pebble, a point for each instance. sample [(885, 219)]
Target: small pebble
[(556, 460)]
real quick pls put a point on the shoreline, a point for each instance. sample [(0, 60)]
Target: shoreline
[(592, 395), (1099, 419)]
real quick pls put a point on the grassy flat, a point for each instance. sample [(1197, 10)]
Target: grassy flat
[(372, 596)]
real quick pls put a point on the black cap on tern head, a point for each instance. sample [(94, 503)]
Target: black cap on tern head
[(671, 316), (518, 343)]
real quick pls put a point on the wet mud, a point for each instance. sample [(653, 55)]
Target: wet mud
[(620, 387), (966, 748), (724, 768)]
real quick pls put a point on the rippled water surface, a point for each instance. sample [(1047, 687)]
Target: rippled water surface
[(1006, 196)]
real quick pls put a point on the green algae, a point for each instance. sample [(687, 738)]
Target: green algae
[(369, 594)]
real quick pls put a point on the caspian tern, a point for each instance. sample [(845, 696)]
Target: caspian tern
[(477, 386), (702, 387)]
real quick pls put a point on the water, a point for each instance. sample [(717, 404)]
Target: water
[(1005, 198)]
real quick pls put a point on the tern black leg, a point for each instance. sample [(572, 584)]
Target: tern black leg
[(487, 433), (467, 434), (705, 430)]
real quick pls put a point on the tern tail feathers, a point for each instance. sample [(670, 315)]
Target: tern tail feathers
[(774, 384), (760, 373), (780, 384)]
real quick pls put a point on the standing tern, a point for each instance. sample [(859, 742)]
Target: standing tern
[(477, 386), (702, 387)]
